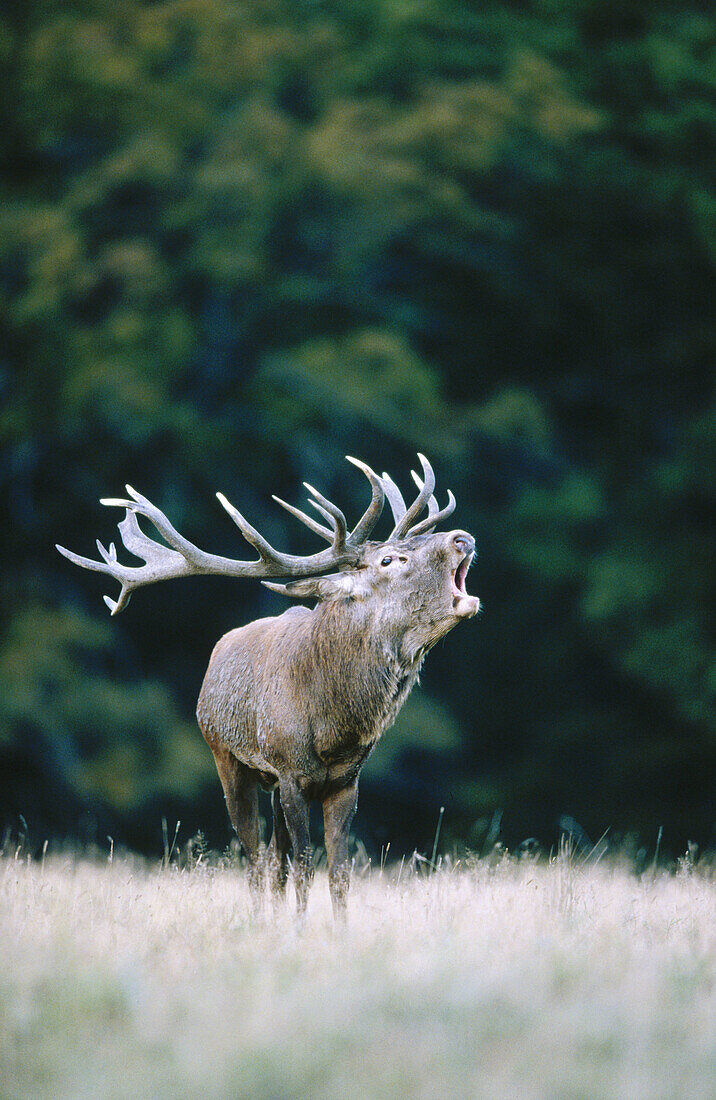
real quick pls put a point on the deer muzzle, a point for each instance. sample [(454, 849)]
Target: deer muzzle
[(463, 603)]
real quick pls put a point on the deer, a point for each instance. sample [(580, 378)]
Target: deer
[(295, 703)]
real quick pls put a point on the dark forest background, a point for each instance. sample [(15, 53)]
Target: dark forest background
[(241, 240)]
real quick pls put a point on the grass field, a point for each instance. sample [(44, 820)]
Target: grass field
[(520, 979)]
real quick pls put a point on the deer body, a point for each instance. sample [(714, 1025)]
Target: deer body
[(295, 703), (303, 692)]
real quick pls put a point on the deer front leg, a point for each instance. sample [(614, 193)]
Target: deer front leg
[(242, 803), (295, 809), (338, 812), (278, 848)]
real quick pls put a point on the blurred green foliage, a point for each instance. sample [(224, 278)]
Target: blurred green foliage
[(238, 241)]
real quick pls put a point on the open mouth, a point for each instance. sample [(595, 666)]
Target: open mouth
[(459, 592)]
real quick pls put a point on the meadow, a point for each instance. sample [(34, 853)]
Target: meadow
[(487, 978)]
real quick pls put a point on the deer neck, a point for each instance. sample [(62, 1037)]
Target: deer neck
[(369, 666)]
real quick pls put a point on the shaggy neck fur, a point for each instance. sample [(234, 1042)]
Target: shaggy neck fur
[(360, 666)]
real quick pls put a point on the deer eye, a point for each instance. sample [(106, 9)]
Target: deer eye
[(386, 561)]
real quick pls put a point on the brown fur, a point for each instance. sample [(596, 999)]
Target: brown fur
[(297, 702)]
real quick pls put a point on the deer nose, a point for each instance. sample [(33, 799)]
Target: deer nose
[(464, 542)]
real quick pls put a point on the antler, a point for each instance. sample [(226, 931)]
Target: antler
[(404, 517), (335, 517), (383, 487), (182, 558)]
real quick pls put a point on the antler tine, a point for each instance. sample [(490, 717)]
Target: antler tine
[(395, 497), (433, 506), (262, 546), (403, 526), (326, 515), (373, 512), (426, 525), (335, 516), (317, 528), (144, 506), (331, 511), (159, 560), (77, 559), (108, 553)]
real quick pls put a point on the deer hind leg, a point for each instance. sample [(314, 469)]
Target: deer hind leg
[(295, 810), (338, 812), (242, 802), (278, 848)]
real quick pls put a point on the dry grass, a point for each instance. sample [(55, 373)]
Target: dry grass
[(518, 980)]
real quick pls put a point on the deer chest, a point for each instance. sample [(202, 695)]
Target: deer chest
[(400, 683)]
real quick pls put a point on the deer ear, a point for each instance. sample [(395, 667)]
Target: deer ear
[(332, 587)]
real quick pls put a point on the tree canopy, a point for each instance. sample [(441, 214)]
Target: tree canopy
[(238, 241)]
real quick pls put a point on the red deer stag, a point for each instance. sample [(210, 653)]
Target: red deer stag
[(295, 703)]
